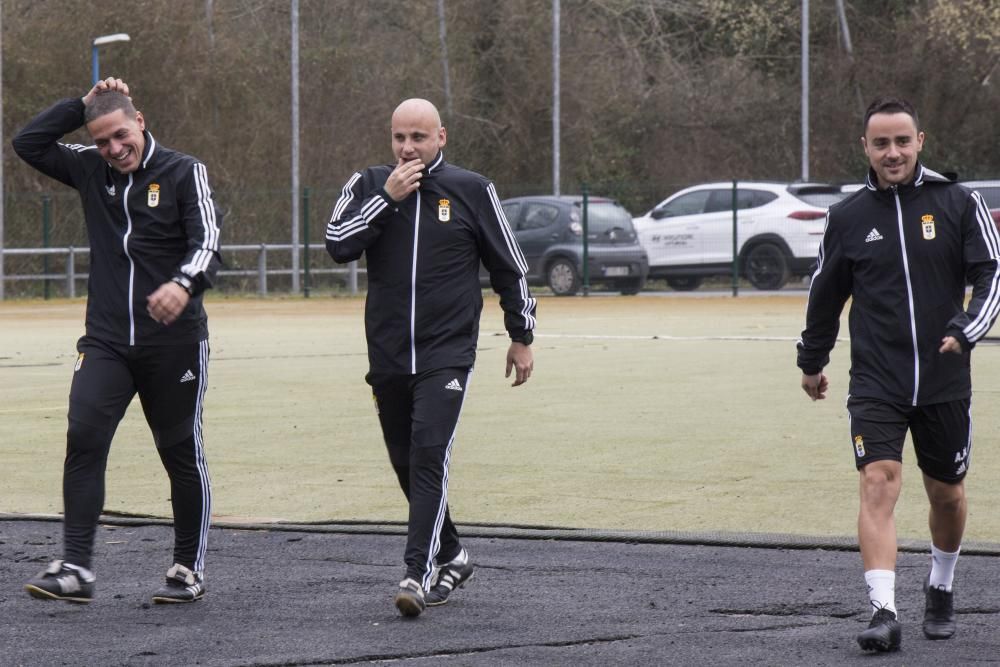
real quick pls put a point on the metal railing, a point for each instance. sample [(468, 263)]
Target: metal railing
[(70, 275)]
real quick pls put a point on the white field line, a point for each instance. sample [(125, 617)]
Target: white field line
[(783, 339)]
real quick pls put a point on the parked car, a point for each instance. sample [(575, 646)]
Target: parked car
[(549, 230), (990, 190), (689, 235)]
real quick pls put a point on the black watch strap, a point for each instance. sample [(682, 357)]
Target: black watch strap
[(184, 282)]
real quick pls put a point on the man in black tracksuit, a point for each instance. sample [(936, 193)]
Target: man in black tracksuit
[(154, 248), (424, 226), (903, 249)]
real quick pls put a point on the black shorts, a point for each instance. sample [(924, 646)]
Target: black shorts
[(942, 435)]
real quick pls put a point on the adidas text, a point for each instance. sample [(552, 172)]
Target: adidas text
[(873, 235)]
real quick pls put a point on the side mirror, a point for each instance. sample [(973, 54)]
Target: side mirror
[(658, 213)]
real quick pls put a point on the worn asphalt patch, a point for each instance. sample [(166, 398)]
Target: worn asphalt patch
[(282, 597)]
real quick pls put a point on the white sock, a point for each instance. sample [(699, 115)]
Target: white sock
[(881, 589), (942, 568)]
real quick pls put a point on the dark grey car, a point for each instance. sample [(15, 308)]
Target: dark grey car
[(549, 230)]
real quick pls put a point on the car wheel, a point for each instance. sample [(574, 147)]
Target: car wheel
[(685, 283), (766, 267), (630, 287), (562, 278)]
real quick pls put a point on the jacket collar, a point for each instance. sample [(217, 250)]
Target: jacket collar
[(921, 175), (149, 150), (435, 164)]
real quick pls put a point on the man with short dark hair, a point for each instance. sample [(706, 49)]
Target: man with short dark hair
[(903, 249), (424, 226), (154, 249)]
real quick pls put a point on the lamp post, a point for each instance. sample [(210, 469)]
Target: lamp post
[(100, 41)]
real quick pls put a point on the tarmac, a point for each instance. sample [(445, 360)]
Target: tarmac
[(295, 595)]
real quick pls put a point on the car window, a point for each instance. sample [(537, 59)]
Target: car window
[(510, 211), (991, 195), (821, 199), (722, 200), (689, 204), (605, 216), (538, 215)]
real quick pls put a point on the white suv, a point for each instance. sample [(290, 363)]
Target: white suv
[(689, 235)]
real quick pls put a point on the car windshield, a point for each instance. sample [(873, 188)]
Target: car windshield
[(605, 216)]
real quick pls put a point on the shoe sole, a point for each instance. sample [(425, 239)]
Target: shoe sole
[(445, 601), (934, 637), (877, 645), (408, 605), (166, 600), (42, 594)]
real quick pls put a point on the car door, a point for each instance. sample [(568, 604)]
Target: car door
[(538, 227), (671, 233), (717, 232)]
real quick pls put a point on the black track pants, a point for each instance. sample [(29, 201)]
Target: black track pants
[(171, 382), (419, 415)]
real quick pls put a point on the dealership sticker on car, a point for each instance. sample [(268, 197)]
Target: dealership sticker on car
[(616, 270)]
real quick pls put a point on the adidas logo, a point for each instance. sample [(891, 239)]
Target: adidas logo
[(454, 385), (110, 189), (188, 376), (873, 235)]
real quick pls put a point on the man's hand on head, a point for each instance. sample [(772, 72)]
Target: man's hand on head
[(110, 84)]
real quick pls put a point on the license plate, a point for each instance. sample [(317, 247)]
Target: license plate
[(616, 270)]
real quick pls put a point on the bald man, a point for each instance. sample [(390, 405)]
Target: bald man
[(424, 226)]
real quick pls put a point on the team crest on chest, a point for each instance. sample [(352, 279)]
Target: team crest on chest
[(153, 195), (927, 224), (444, 210)]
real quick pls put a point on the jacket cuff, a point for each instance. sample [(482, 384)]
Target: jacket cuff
[(381, 192)]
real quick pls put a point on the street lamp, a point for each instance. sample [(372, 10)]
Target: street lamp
[(98, 41)]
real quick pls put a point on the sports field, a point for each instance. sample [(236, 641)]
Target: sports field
[(650, 413)]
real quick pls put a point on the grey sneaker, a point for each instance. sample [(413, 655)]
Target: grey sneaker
[(182, 585), (452, 576), (410, 598), (62, 581)]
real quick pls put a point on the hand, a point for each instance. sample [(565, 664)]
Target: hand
[(167, 303), (105, 86), (815, 386), (404, 179), (950, 344), (520, 357)]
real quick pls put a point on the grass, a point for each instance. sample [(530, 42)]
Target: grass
[(646, 413)]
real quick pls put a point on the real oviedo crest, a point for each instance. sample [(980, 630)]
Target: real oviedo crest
[(153, 195), (927, 224), (444, 210)]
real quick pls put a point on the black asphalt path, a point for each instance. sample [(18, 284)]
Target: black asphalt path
[(323, 596)]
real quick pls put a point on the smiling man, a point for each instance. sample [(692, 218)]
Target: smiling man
[(154, 249), (424, 225), (904, 248)]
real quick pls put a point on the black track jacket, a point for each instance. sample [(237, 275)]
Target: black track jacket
[(424, 297), (905, 255), (145, 228)]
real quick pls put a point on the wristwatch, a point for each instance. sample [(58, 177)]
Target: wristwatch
[(183, 282), (527, 339)]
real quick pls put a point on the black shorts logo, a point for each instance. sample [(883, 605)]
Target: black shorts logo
[(859, 446)]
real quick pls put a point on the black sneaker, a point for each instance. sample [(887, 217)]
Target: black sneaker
[(939, 612), (410, 598), (451, 577), (62, 581), (883, 633), (182, 585)]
